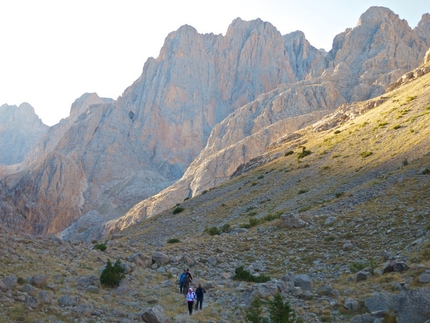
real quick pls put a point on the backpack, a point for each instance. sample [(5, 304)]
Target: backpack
[(181, 279)]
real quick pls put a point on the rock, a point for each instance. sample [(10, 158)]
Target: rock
[(303, 281), (351, 304), (362, 275), (140, 259), (292, 221), (424, 278), (365, 318), (324, 289), (348, 245), (377, 302), (265, 290), (412, 306), (394, 266), (68, 300), (160, 258), (10, 281), (39, 281), (154, 315)]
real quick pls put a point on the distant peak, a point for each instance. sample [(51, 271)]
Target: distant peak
[(375, 14)]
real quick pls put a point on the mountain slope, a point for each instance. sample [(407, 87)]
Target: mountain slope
[(363, 190), (363, 62)]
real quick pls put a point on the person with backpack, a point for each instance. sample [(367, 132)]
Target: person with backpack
[(190, 297), (186, 283), (199, 293), (181, 281)]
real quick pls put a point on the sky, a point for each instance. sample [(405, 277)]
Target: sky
[(52, 51)]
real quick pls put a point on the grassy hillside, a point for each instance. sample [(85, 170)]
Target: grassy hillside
[(362, 186)]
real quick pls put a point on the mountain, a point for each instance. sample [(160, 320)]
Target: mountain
[(20, 130), (206, 105), (363, 62), (334, 215)]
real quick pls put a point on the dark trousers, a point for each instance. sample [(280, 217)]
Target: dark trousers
[(181, 286), (190, 307), (199, 301)]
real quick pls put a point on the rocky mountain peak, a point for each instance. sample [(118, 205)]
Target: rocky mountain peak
[(20, 129)]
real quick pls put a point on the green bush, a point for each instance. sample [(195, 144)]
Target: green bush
[(288, 153), (280, 311), (173, 240), (425, 171), (338, 194), (253, 313), (365, 154), (357, 266), (178, 209), (245, 275), (100, 246), (226, 228), (303, 153), (112, 275), (213, 231)]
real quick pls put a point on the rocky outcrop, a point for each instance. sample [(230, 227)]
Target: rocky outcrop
[(361, 64), (206, 105), (20, 130)]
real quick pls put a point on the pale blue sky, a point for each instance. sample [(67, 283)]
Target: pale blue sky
[(54, 51)]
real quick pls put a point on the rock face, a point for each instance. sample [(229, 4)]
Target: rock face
[(20, 130), (363, 61), (206, 105)]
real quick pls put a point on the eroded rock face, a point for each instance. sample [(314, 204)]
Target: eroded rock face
[(20, 130), (206, 105), (363, 61)]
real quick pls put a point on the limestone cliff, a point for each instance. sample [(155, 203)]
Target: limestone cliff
[(20, 130), (363, 61)]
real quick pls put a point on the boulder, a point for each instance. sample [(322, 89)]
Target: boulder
[(140, 259), (292, 221), (351, 304), (160, 258), (303, 281), (394, 266), (154, 315), (39, 281), (10, 281)]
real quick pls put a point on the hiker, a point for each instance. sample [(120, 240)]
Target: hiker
[(181, 281), (191, 277), (190, 297), (186, 283), (199, 293)]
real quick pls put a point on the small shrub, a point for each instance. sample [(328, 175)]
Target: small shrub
[(411, 98), (425, 171), (338, 194), (253, 222), (178, 209), (302, 192), (357, 266), (337, 132), (244, 275), (21, 281), (204, 192), (100, 246), (173, 240), (365, 154), (254, 311), (396, 127), (260, 177), (382, 124), (112, 275), (213, 231), (226, 228), (280, 311), (405, 162), (303, 153), (288, 153)]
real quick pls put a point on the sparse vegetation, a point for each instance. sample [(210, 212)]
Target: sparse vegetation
[(303, 153), (244, 275), (178, 209), (365, 154), (100, 246), (173, 240), (112, 275), (288, 153)]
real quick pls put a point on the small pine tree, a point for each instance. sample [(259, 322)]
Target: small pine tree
[(112, 275), (280, 311), (253, 313)]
